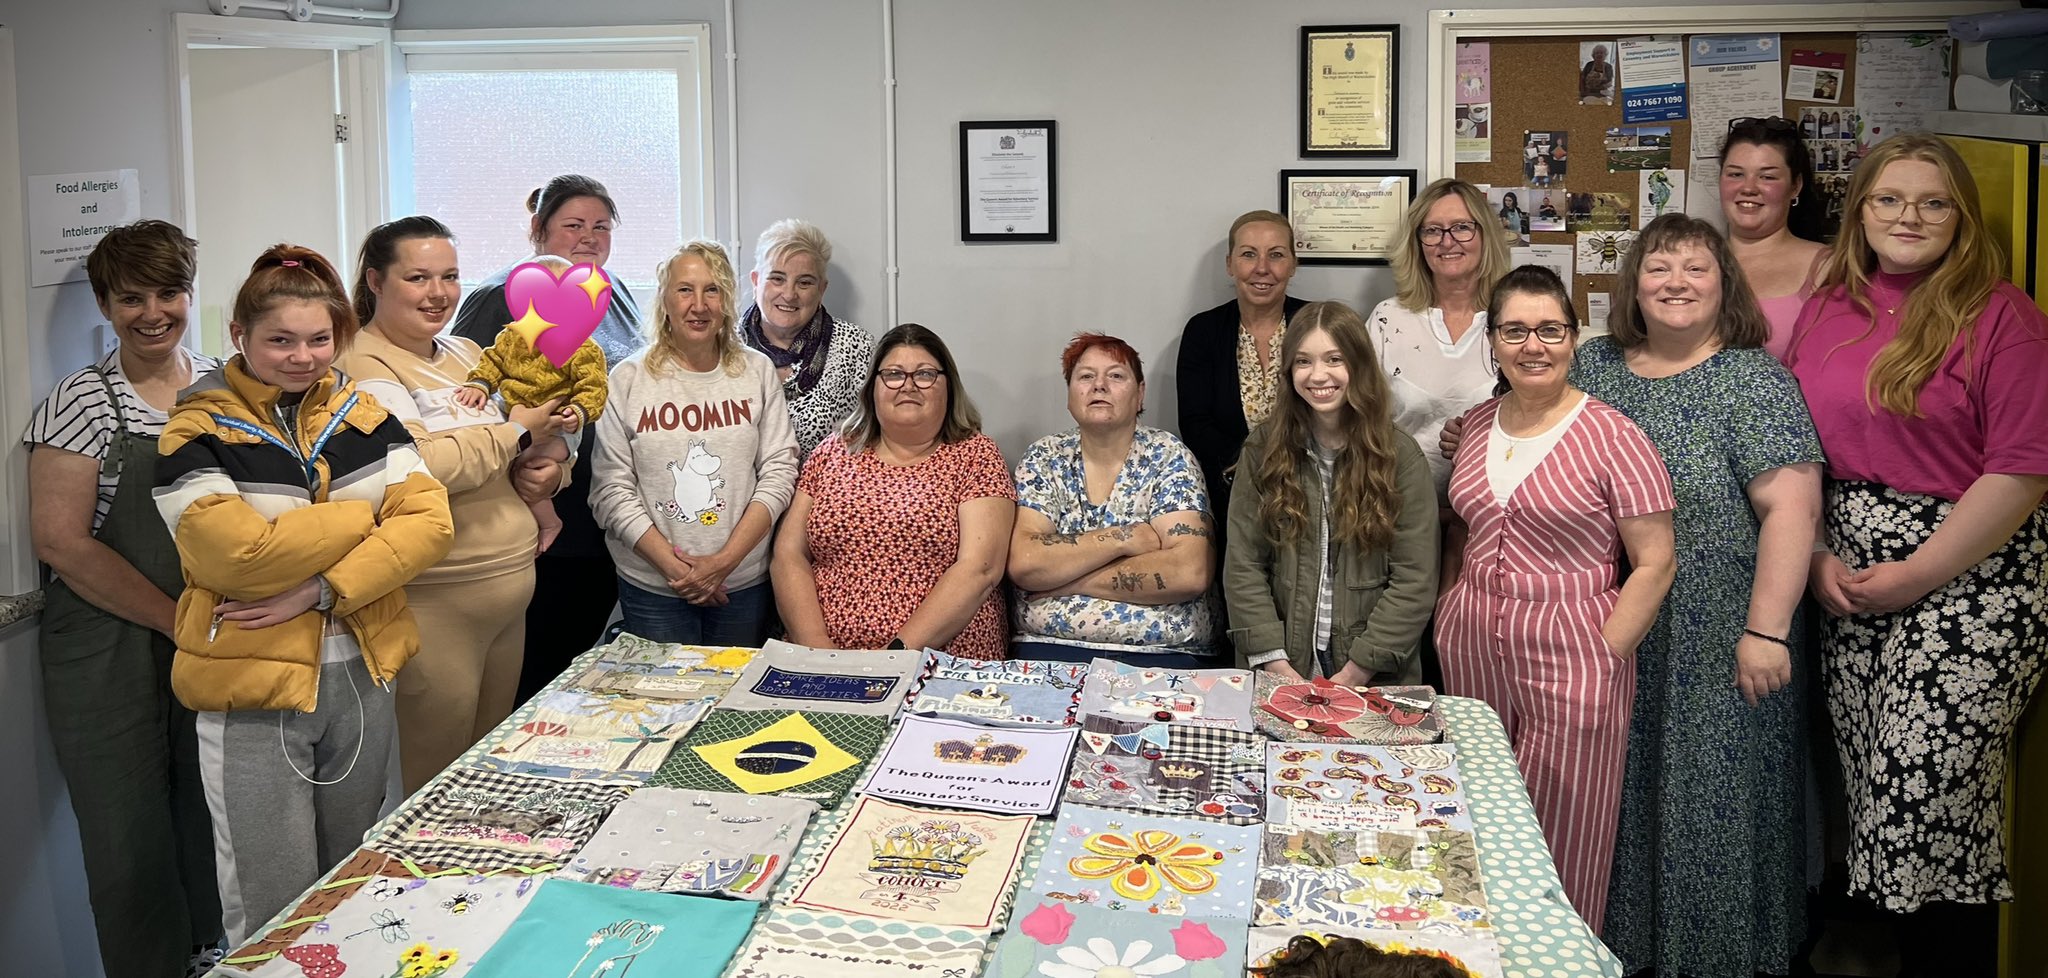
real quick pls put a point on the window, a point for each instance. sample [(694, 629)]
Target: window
[(495, 114)]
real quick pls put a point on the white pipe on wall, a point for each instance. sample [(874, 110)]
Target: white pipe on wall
[(889, 270), (732, 130), (303, 10)]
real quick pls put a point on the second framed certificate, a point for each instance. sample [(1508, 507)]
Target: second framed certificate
[(1345, 217), (1350, 96)]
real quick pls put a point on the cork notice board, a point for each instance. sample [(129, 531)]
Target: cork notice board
[(1535, 88)]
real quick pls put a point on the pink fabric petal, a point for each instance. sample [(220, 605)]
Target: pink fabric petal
[(1049, 924), (1195, 942)]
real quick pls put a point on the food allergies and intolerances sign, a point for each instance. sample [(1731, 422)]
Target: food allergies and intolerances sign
[(69, 213)]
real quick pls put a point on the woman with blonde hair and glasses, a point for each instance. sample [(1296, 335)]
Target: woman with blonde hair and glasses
[(1923, 368)]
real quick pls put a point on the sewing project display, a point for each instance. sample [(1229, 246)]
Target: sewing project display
[(652, 670), (1418, 880), (918, 865), (793, 677), (962, 765), (1477, 953), (1011, 693), (581, 930), (485, 820), (788, 942), (436, 927), (816, 756), (1062, 939), (605, 736), (1127, 861), (1199, 772), (1320, 711), (1199, 697), (700, 842), (1341, 787)]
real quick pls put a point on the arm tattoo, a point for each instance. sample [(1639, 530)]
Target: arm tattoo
[(1159, 582), (1126, 581), (1049, 539), (1189, 530), (1119, 533)]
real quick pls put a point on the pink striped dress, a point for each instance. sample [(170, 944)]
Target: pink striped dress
[(1521, 628)]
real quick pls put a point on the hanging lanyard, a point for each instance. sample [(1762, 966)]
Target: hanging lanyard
[(318, 444)]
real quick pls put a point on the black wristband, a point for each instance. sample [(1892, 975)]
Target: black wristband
[(1753, 633)]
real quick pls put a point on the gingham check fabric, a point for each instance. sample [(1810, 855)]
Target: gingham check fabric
[(486, 820)]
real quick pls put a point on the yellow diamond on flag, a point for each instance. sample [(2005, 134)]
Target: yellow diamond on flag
[(785, 754)]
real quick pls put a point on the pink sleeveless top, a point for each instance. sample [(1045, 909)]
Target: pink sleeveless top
[(1783, 312)]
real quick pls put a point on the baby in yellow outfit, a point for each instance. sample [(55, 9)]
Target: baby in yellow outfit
[(515, 371)]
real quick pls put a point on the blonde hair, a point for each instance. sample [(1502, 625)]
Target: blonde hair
[(1740, 324), (662, 351), (791, 236), (1414, 283), (1940, 307), (1256, 217), (1365, 496)]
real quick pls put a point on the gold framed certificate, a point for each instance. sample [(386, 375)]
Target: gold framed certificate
[(1345, 217), (1350, 91)]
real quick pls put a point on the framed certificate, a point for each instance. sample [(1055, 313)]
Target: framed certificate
[(1008, 181), (1345, 217), (1349, 91)]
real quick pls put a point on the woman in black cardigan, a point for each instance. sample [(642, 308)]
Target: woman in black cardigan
[(1218, 402)]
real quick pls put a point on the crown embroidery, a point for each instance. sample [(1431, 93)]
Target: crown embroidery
[(1180, 771), (931, 850), (984, 750)]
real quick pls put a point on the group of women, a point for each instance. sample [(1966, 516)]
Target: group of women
[(1607, 540)]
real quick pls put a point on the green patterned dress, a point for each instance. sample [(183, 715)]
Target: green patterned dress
[(1709, 867)]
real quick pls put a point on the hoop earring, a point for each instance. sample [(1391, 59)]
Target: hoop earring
[(1795, 201)]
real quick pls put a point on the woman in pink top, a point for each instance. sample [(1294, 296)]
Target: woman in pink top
[(1923, 371), (1765, 172), (900, 528)]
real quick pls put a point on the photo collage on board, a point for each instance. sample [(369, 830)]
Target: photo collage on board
[(1834, 136)]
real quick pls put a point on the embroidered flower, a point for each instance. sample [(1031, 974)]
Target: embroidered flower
[(1049, 924), (1137, 863), (708, 517), (1102, 960), (1195, 942)]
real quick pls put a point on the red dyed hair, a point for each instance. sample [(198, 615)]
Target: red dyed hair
[(1116, 348)]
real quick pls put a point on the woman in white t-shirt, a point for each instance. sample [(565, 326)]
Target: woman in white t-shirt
[(126, 746)]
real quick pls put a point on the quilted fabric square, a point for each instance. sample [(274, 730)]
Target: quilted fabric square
[(700, 842), (816, 756), (1128, 861), (579, 930), (666, 658), (484, 820), (793, 677), (575, 734), (1320, 711), (789, 941), (1171, 769), (1478, 953), (436, 927), (1425, 879), (1334, 787), (651, 670), (919, 865), (1011, 693), (960, 765), (1201, 697), (1062, 939)]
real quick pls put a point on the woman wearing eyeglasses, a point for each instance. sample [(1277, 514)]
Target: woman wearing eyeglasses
[(1923, 368), (1774, 212), (900, 529), (1556, 488)]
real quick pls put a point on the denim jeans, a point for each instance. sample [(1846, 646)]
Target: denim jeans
[(663, 617)]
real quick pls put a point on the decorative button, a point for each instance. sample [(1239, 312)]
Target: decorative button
[(1150, 753), (1162, 715)]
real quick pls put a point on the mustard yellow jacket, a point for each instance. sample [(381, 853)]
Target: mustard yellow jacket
[(516, 371)]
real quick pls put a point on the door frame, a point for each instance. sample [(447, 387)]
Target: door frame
[(18, 573)]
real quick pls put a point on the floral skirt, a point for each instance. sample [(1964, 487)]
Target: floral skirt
[(1925, 699)]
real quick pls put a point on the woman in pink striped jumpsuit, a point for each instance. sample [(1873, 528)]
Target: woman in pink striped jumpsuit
[(1554, 486)]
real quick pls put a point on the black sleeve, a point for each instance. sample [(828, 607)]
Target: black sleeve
[(1194, 382), (482, 315)]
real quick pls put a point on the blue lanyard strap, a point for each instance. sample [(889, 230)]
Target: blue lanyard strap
[(318, 444)]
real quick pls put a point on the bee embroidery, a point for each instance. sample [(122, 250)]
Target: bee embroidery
[(459, 903)]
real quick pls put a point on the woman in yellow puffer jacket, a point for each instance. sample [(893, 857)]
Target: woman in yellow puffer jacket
[(300, 509)]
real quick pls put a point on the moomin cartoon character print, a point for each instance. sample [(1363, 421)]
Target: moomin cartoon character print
[(697, 483)]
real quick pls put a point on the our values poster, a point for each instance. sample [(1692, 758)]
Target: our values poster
[(1732, 76)]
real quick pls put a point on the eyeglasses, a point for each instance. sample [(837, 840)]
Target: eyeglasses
[(1768, 123), (1461, 231), (924, 379), (1891, 208), (1551, 333)]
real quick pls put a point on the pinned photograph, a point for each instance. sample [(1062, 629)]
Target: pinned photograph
[(1638, 148), (1551, 203), (1600, 251), (1816, 76), (1600, 212), (1507, 208), (1661, 192), (1840, 122), (1544, 155), (1473, 125), (1597, 73)]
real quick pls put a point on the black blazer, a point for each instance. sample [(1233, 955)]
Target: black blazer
[(1211, 410)]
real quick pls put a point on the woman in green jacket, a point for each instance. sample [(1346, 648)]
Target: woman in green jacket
[(1332, 565)]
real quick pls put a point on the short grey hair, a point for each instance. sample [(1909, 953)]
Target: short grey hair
[(791, 235)]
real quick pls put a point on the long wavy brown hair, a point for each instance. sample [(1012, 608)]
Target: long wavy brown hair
[(1364, 497)]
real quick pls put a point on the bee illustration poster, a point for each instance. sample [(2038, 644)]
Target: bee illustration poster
[(921, 865), (961, 765), (483, 820), (580, 930), (817, 756), (703, 842), (431, 928), (1343, 787), (1600, 251), (793, 677), (1126, 861), (1070, 940)]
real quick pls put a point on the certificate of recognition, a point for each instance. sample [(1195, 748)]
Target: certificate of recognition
[(1348, 90), (1007, 182), (1345, 217)]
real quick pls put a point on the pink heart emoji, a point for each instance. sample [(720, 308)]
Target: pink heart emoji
[(556, 313)]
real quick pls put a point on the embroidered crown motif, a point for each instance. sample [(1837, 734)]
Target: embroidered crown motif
[(935, 849), (1189, 772), (984, 750)]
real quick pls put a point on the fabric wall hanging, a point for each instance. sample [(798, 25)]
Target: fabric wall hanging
[(1010, 693), (1321, 711), (1131, 862), (1478, 954), (1345, 787), (1421, 880), (579, 930), (817, 756), (484, 820), (1200, 772), (574, 734), (1062, 939), (698, 842), (960, 765), (792, 677), (923, 865), (788, 942), (436, 927), (1202, 697)]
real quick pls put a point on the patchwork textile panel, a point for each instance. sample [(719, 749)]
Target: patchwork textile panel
[(429, 928), (1334, 787), (1420, 880), (484, 820), (653, 670), (1014, 692), (1127, 861), (580, 930), (1322, 711), (1200, 772), (1478, 954), (574, 734), (1202, 697), (961, 765), (788, 942), (919, 865), (1061, 939), (793, 677), (701, 842), (816, 756)]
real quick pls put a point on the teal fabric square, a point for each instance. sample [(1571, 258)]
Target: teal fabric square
[(582, 930)]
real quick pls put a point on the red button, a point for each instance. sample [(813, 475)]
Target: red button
[(1162, 715)]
